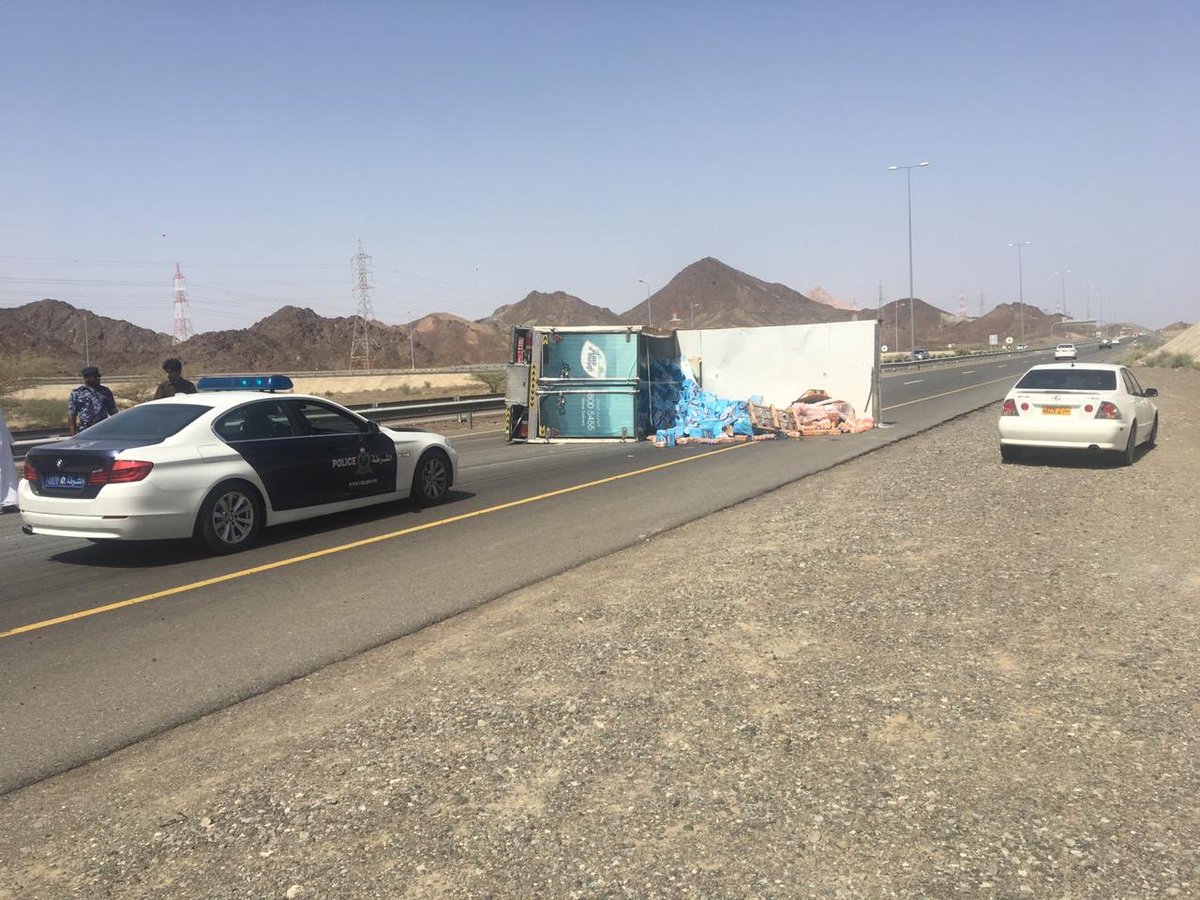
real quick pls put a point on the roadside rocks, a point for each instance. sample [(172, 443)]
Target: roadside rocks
[(921, 673)]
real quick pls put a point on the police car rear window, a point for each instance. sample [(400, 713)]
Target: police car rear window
[(152, 422)]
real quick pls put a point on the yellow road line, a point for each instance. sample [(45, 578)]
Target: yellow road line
[(195, 585)]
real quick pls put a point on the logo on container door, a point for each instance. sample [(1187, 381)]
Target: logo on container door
[(592, 358)]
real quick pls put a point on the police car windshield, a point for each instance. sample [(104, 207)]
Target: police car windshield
[(149, 423)]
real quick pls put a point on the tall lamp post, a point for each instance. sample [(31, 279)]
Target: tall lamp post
[(1063, 275), (912, 328), (692, 306), (649, 311), (412, 347), (1021, 284)]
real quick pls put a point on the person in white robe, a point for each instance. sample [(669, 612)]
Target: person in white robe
[(8, 469)]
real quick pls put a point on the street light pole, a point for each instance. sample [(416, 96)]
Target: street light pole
[(692, 305), (912, 328), (1021, 284), (1064, 273), (412, 347), (649, 311)]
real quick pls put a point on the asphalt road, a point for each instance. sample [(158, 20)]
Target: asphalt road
[(102, 645)]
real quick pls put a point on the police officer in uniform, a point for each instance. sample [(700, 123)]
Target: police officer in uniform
[(89, 403)]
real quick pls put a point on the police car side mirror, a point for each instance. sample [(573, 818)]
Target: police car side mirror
[(373, 427)]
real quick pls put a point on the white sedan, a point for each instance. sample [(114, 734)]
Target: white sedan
[(1096, 407), (220, 466), (1066, 351)]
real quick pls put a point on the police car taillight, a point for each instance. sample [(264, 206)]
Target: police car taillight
[(122, 472)]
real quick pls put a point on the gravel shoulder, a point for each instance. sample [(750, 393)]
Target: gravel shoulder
[(921, 673)]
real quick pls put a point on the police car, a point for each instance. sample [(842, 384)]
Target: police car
[(222, 464)]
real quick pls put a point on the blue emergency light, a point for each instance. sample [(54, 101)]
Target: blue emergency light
[(268, 383)]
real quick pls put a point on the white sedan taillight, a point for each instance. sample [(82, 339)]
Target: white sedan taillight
[(122, 471), (1009, 408), (1108, 410)]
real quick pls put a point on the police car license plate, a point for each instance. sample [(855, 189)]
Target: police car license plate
[(64, 482)]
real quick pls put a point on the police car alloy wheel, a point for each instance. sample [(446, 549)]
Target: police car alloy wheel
[(230, 517), (431, 481)]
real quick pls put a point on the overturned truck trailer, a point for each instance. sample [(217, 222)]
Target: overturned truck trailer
[(583, 382), (615, 382)]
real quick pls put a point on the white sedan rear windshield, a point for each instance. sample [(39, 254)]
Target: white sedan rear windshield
[(150, 422), (1068, 380)]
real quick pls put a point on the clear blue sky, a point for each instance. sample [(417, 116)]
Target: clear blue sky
[(481, 150)]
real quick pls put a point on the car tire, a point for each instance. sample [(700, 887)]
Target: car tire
[(1009, 454), (1131, 446), (431, 480), (230, 517), (1152, 440)]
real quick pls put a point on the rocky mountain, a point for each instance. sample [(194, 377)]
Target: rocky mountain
[(66, 336), (821, 295), (558, 308), (705, 294), (711, 294)]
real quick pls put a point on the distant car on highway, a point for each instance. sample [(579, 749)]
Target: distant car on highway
[(1116, 341), (919, 354), (220, 465), (1096, 407), (1065, 351), (1021, 348), (1105, 343)]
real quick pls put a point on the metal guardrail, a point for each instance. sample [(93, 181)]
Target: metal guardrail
[(388, 411), (968, 357)]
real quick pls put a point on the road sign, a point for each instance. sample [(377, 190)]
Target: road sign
[(993, 340)]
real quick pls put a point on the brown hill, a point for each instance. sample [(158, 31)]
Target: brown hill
[(558, 308), (897, 324), (67, 336), (294, 339), (445, 340), (711, 294), (1176, 327)]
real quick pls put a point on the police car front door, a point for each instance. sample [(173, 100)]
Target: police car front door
[(349, 457)]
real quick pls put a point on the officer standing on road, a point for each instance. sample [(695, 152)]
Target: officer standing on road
[(89, 403), (175, 383)]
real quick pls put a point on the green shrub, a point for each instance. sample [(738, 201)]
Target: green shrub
[(1163, 360), (17, 368), (35, 414), (496, 380)]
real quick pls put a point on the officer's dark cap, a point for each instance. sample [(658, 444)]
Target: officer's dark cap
[(89, 371)]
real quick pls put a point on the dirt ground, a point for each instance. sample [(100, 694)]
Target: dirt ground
[(920, 674)]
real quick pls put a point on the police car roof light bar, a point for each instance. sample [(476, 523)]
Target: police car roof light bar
[(267, 383)]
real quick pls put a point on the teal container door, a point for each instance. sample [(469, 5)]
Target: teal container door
[(611, 357), (591, 414)]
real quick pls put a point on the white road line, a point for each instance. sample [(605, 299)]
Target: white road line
[(918, 381), (968, 372)]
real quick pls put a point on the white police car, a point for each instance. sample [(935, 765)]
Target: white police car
[(220, 465)]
